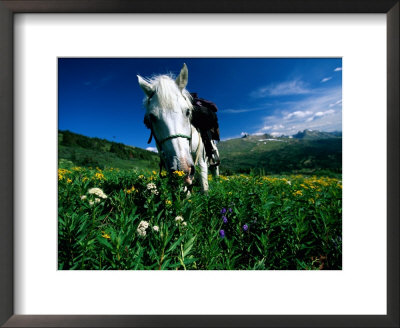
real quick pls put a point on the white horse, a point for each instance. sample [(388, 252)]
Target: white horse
[(168, 115)]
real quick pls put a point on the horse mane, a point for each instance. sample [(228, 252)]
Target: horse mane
[(167, 92)]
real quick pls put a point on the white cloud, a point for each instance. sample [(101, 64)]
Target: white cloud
[(315, 112), (326, 79), (295, 87), (153, 149), (320, 114), (337, 69), (298, 114)]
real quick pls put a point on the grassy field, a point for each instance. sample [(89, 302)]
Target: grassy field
[(135, 220)]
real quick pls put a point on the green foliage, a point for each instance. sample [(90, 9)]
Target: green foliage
[(146, 222), (95, 152), (310, 155)]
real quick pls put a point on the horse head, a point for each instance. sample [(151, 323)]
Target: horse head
[(168, 114)]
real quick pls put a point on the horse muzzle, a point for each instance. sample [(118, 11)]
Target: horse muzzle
[(182, 164)]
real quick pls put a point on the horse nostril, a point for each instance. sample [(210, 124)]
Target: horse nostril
[(192, 170)]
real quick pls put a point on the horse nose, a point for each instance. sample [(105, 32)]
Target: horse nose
[(192, 170)]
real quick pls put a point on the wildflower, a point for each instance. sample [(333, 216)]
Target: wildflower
[(225, 219), (141, 232), (184, 223), (179, 219), (223, 211), (128, 191), (154, 172), (91, 203), (289, 182), (99, 176), (97, 200), (230, 210), (152, 188), (98, 192), (104, 235), (179, 173), (222, 233), (168, 202), (245, 227), (141, 176), (83, 197), (156, 228), (69, 180), (141, 229)]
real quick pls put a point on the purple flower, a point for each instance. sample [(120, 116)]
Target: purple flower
[(223, 211), (225, 219), (222, 233), (230, 210), (245, 227)]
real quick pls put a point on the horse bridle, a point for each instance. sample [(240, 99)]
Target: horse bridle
[(160, 142)]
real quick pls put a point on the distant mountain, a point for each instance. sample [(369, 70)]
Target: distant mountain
[(80, 150), (309, 151), (314, 134)]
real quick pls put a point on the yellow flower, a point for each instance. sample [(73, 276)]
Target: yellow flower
[(312, 200), (85, 179), (163, 173), (104, 235), (154, 172), (128, 191), (141, 176), (179, 173), (298, 193), (168, 202), (69, 180), (99, 176)]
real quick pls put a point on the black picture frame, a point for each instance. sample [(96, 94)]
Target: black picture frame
[(10, 7)]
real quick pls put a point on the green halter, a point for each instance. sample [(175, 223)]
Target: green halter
[(175, 136)]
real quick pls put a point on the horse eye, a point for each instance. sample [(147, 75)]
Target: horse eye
[(153, 118), (188, 113)]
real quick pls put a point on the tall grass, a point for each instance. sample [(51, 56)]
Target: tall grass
[(246, 222)]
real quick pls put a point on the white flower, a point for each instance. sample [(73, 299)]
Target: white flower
[(83, 197), (141, 229), (97, 200), (156, 228), (288, 182), (179, 218), (153, 188), (141, 232), (91, 203), (151, 185), (98, 192), (184, 224), (144, 224)]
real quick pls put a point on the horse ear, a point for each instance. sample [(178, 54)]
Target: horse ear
[(182, 78), (146, 86)]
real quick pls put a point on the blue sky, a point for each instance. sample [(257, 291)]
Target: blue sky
[(100, 97)]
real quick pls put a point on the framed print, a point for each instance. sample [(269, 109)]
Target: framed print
[(71, 74)]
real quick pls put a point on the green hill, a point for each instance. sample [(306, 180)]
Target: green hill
[(78, 150), (307, 152)]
